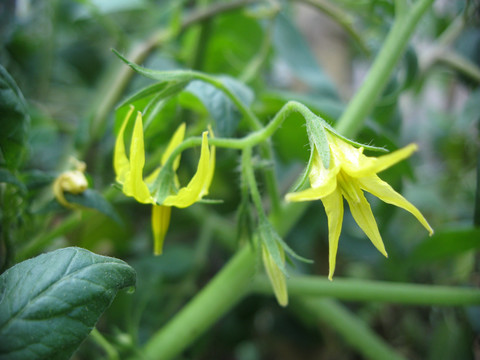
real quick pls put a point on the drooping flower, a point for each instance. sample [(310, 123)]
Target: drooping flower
[(350, 173), (129, 173)]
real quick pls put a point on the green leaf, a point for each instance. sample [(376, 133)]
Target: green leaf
[(93, 199), (50, 303), (446, 244), (15, 121), (220, 107), (9, 178), (293, 48), (146, 99)]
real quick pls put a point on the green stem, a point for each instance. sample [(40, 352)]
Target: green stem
[(228, 287), (249, 176), (253, 139), (351, 328), (374, 291), (364, 100), (105, 345), (460, 63)]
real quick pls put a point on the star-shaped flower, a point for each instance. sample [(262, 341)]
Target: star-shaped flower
[(349, 173), (129, 173)]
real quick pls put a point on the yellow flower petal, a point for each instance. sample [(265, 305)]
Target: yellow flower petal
[(382, 190), (323, 182), (160, 223), (134, 184), (192, 192), (276, 276), (371, 165), (386, 161), (120, 160), (333, 204), (362, 213), (176, 140)]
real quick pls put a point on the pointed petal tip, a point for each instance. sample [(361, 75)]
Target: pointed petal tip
[(330, 277), (283, 302), (158, 252)]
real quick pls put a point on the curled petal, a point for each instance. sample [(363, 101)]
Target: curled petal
[(362, 213), (192, 192), (333, 204), (120, 160), (160, 223), (134, 184), (382, 190)]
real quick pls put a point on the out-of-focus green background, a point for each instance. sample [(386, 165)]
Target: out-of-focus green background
[(59, 54)]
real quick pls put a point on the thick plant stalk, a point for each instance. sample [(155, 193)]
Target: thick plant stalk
[(375, 291), (353, 330), (228, 287), (364, 100)]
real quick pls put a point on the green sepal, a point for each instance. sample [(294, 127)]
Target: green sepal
[(269, 237), (163, 185), (274, 242), (354, 143), (318, 138), (303, 180), (162, 76)]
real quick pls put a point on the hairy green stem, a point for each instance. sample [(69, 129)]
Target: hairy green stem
[(249, 176), (364, 100), (250, 140), (228, 287), (368, 290), (351, 328)]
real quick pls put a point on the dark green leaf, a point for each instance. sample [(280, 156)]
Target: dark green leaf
[(49, 304), (94, 200), (14, 120), (220, 107)]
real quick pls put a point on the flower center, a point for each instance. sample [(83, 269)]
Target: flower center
[(347, 184)]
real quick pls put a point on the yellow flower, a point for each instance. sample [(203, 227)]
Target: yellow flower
[(129, 173), (72, 181), (349, 173)]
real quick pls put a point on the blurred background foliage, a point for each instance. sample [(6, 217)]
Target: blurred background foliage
[(315, 51)]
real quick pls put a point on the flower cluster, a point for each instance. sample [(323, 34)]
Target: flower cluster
[(129, 174), (349, 173)]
